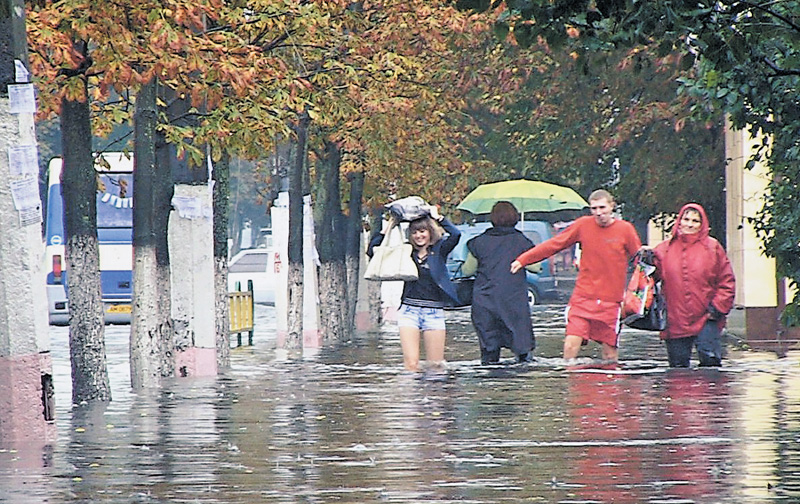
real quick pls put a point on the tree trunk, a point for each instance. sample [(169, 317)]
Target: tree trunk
[(149, 328), (294, 337), (353, 251), (330, 227), (333, 300), (221, 175), (79, 188), (162, 207), (374, 290)]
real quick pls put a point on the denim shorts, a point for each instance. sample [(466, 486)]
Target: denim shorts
[(424, 319)]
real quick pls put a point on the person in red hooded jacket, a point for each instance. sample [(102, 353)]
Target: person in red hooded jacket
[(698, 286)]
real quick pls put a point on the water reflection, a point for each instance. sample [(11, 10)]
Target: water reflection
[(351, 426), (695, 410)]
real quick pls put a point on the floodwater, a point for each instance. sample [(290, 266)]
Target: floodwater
[(350, 426)]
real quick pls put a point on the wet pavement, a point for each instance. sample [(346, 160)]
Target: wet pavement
[(350, 426)]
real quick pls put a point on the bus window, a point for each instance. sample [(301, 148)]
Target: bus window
[(115, 201)]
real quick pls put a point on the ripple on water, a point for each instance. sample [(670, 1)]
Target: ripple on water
[(351, 426)]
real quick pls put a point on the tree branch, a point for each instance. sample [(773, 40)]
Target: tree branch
[(780, 72), (774, 14)]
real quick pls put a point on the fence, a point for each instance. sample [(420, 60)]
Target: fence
[(241, 309)]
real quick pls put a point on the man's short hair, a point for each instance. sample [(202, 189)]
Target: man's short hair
[(600, 194)]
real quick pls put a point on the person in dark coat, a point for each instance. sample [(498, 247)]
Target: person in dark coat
[(500, 310)]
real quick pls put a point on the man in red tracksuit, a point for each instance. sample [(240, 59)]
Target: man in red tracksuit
[(607, 244)]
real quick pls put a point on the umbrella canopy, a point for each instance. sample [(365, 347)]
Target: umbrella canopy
[(526, 195)]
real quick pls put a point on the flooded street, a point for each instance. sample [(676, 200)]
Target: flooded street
[(350, 426)]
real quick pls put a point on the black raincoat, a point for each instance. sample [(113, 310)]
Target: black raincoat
[(500, 310)]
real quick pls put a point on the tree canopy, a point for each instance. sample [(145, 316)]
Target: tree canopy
[(428, 98), (746, 57), (614, 122)]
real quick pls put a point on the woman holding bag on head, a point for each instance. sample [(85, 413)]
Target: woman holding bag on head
[(698, 286), (421, 312)]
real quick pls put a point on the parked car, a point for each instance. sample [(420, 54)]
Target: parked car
[(258, 265), (541, 285)]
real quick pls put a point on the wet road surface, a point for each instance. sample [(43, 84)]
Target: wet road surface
[(350, 426)]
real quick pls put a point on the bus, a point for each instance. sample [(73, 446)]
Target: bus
[(114, 233)]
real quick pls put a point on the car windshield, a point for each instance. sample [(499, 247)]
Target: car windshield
[(250, 262), (533, 236)]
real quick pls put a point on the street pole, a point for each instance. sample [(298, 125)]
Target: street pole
[(26, 384)]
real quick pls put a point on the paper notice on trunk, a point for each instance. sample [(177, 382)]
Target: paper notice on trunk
[(21, 73), (25, 193), (191, 207), (21, 99), (23, 160), (30, 216)]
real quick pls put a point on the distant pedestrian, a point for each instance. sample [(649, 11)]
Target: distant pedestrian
[(423, 300), (607, 244), (500, 310), (699, 287)]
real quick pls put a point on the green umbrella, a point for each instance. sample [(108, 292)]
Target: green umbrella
[(526, 195)]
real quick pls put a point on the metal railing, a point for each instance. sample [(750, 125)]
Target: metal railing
[(241, 310)]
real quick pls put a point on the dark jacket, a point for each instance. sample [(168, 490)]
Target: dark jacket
[(437, 260), (495, 250), (698, 279), (500, 310)]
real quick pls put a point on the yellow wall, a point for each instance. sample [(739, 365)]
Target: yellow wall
[(655, 234), (756, 285)]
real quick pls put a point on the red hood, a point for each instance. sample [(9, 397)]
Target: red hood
[(703, 233)]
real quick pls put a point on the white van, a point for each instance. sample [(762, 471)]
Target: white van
[(257, 265)]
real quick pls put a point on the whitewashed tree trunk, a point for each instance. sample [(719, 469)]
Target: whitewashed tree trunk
[(147, 327), (331, 228), (294, 336), (375, 304), (353, 248), (221, 176), (150, 330), (353, 269), (333, 301), (222, 313), (86, 326), (79, 189)]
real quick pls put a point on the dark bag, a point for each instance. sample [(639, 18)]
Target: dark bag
[(464, 290), (463, 285), (644, 306)]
